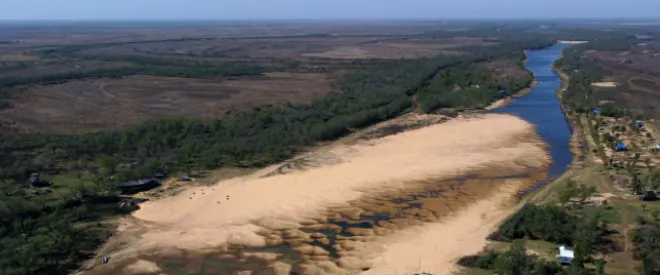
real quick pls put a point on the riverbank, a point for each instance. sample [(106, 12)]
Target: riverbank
[(503, 102), (465, 166)]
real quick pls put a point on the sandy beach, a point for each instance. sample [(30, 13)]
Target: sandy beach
[(267, 207)]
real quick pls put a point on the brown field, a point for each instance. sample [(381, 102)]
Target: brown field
[(643, 59), (49, 68), (294, 48), (87, 105), (636, 73), (502, 68), (635, 91), (17, 57)]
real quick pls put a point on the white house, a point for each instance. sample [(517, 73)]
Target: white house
[(565, 256)]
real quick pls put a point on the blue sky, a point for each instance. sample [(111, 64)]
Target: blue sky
[(322, 9)]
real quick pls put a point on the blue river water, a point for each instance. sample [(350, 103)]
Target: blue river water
[(541, 107)]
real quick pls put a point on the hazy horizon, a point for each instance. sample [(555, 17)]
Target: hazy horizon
[(219, 10)]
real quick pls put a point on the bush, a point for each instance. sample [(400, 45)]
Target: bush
[(484, 260), (549, 223), (647, 246)]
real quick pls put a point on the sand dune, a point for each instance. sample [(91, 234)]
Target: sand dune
[(208, 219)]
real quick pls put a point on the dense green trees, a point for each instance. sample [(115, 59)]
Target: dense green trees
[(583, 231), (514, 261), (549, 223), (647, 245), (38, 236)]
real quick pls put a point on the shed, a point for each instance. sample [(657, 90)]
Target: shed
[(597, 111), (648, 195), (639, 123), (565, 255), (621, 147)]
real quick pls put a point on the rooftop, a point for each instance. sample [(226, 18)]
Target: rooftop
[(564, 252)]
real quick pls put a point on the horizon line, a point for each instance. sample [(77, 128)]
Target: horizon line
[(334, 19)]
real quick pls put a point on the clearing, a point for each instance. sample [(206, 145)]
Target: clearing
[(88, 105)]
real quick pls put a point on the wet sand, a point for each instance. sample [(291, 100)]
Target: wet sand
[(440, 190)]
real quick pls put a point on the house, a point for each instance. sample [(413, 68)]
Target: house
[(621, 147), (565, 255)]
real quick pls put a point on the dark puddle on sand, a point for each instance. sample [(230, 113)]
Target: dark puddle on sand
[(336, 232)]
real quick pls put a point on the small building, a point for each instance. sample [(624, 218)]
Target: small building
[(648, 195), (565, 255), (621, 147), (597, 111), (639, 123)]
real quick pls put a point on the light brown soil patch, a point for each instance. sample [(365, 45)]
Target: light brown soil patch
[(572, 42), (607, 84), (87, 105), (375, 176), (396, 49)]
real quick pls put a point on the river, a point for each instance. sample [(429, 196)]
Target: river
[(542, 108)]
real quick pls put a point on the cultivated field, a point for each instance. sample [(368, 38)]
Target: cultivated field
[(84, 105)]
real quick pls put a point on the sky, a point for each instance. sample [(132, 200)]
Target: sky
[(323, 9)]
